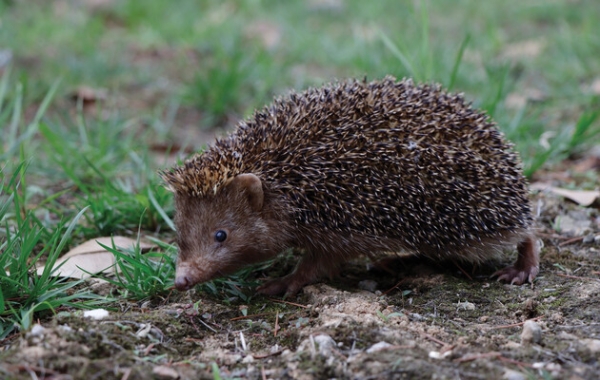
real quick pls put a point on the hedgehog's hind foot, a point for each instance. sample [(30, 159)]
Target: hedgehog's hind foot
[(527, 265)]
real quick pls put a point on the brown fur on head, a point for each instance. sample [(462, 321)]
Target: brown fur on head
[(221, 233)]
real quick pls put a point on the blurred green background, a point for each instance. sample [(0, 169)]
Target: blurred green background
[(224, 58)]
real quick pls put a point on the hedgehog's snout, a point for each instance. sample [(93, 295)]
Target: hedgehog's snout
[(186, 277), (183, 283)]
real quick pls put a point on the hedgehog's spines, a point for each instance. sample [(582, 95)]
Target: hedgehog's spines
[(341, 154)]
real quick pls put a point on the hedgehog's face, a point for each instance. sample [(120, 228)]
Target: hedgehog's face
[(220, 234)]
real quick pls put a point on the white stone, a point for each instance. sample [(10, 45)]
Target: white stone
[(37, 330), (378, 347), (96, 314), (532, 333)]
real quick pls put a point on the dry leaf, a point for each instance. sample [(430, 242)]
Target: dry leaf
[(91, 257), (165, 372), (582, 197)]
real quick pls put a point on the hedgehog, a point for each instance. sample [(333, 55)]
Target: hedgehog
[(353, 168)]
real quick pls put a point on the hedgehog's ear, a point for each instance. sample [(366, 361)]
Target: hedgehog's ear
[(252, 186)]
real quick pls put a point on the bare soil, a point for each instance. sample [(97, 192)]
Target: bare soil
[(429, 320)]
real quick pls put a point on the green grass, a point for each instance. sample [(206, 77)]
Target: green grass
[(143, 275), (24, 240), (201, 65)]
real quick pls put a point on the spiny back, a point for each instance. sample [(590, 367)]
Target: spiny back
[(384, 158)]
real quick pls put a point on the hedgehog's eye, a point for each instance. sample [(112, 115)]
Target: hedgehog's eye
[(220, 236)]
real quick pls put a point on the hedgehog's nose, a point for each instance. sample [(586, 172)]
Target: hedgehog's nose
[(183, 283)]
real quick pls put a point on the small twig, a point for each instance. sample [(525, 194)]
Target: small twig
[(462, 270), (393, 287), (248, 316), (276, 353), (288, 303), (514, 324), (262, 372), (206, 325), (243, 340), (471, 357), (487, 355), (126, 374), (148, 349), (571, 241), (4, 345), (276, 324), (577, 277), (434, 339), (512, 361)]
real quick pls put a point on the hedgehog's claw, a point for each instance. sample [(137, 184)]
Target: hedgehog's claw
[(526, 267), (516, 276)]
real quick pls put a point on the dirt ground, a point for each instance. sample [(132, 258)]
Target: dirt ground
[(430, 321)]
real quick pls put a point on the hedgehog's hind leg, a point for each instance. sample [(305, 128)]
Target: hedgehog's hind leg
[(527, 265)]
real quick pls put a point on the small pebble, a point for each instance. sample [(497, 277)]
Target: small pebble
[(144, 330), (510, 374), (164, 372), (378, 347), (96, 314), (439, 355), (465, 305), (37, 330), (532, 333), (592, 344), (588, 239), (325, 344)]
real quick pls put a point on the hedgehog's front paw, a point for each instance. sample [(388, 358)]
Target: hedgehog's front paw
[(517, 276), (287, 285), (273, 287)]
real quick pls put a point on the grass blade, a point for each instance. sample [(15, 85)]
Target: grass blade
[(398, 54), (46, 102), (4, 87), (16, 118), (53, 256), (161, 211), (458, 60)]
